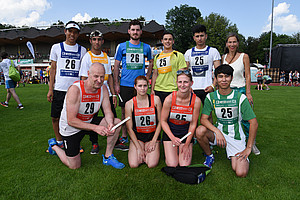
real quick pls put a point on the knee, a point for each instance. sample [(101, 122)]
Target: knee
[(133, 165), (152, 165), (241, 174), (200, 132), (75, 166), (172, 163)]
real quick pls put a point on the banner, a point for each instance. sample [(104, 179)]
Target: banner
[(30, 47)]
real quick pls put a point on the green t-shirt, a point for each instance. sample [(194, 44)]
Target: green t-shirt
[(167, 65), (230, 110)]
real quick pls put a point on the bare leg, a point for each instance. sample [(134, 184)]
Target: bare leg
[(71, 162), (204, 136), (111, 139), (55, 124), (11, 91), (171, 154), (241, 167), (124, 130), (152, 158)]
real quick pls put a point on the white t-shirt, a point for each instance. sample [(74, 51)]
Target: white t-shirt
[(87, 62), (201, 65), (4, 65), (68, 58)]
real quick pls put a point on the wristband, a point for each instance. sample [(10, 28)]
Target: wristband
[(212, 85), (114, 95)]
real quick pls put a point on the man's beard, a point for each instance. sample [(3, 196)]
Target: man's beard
[(134, 38)]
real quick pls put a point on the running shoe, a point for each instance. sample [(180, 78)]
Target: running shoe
[(95, 149), (81, 150), (20, 107), (112, 160), (4, 104), (51, 143), (255, 150), (121, 147), (123, 140), (209, 160)]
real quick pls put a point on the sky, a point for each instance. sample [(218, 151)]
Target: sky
[(252, 17)]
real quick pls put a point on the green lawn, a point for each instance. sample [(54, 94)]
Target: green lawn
[(27, 172)]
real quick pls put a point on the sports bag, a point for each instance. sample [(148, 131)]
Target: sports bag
[(13, 73), (193, 174)]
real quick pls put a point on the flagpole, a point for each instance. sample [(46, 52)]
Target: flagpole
[(271, 38)]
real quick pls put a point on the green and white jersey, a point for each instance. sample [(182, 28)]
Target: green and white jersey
[(230, 110)]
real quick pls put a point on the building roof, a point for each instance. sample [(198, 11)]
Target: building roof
[(56, 33)]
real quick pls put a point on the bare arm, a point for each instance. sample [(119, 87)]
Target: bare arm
[(150, 68), (164, 117), (154, 77), (109, 116), (158, 107), (129, 124), (217, 63), (112, 89), (51, 81), (116, 76), (246, 62)]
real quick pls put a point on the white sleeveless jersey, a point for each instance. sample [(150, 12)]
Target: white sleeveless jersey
[(201, 65), (68, 60), (89, 105), (89, 58), (238, 73)]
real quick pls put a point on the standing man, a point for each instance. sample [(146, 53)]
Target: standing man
[(166, 64), (83, 101), (10, 85), (201, 59), (230, 107), (97, 55), (65, 63), (132, 54)]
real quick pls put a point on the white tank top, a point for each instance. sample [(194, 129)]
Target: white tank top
[(89, 105), (67, 67), (238, 73)]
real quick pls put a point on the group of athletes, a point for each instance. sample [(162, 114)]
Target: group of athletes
[(82, 82)]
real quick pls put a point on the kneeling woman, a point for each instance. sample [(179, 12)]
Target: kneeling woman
[(179, 116), (144, 125)]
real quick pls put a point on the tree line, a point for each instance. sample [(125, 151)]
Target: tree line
[(180, 20)]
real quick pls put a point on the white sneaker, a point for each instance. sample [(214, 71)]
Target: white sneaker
[(255, 150)]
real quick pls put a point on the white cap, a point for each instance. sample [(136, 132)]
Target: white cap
[(72, 25)]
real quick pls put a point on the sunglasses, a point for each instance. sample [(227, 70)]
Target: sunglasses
[(95, 39), (187, 72)]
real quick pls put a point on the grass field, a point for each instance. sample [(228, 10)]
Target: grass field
[(27, 172)]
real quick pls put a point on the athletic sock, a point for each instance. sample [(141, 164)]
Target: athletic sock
[(20, 104)]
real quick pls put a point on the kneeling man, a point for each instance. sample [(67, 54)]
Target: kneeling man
[(82, 101), (230, 108)]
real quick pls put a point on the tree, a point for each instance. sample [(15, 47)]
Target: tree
[(58, 23), (96, 19), (6, 26), (217, 28), (296, 38), (179, 21)]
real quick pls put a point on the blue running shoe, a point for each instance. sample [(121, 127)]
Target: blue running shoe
[(51, 151), (52, 142), (124, 140), (111, 160), (209, 160)]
